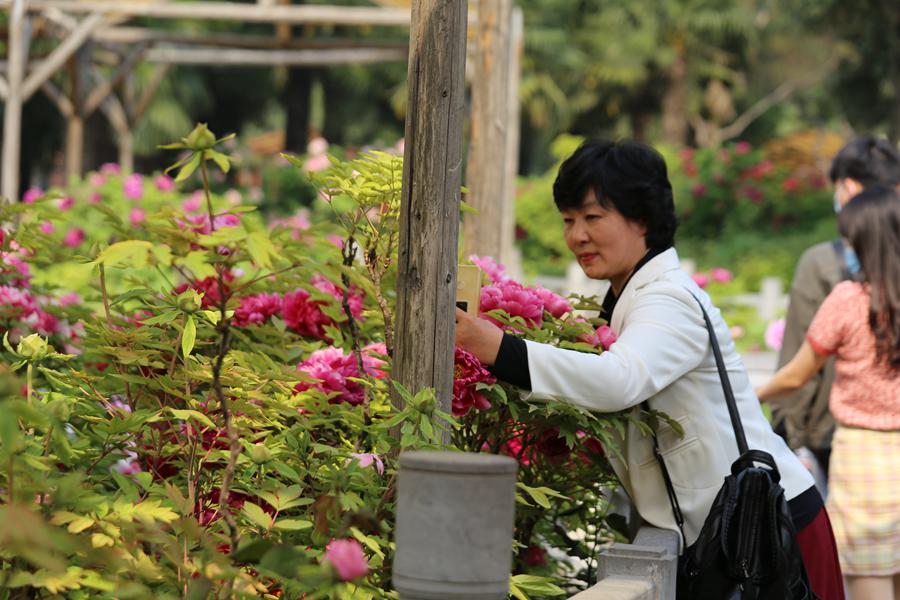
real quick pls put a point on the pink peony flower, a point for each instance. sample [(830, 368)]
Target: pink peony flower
[(775, 334), (65, 203), (133, 186), (373, 364), (513, 298), (137, 216), (127, 466), (333, 371), (32, 194), (69, 299), (494, 270), (698, 190), (554, 304), (737, 332), (354, 299), (19, 268), (95, 198), (347, 558), (304, 315), (701, 279), (721, 275), (367, 459), (467, 373), (96, 179), (47, 228), (110, 169), (193, 203), (257, 309), (164, 183), (297, 223), (317, 163), (606, 336), (73, 237), (742, 147)]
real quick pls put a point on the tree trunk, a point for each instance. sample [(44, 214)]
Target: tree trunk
[(296, 102), (674, 103)]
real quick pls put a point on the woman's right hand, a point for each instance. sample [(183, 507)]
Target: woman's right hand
[(478, 336)]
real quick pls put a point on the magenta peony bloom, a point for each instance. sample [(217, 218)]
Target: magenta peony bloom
[(96, 179), (314, 164), (257, 309), (137, 216), (303, 315), (65, 203), (515, 299), (775, 334), (347, 558), (193, 203), (133, 186), (701, 279), (110, 169), (372, 361), (554, 304), (467, 373), (47, 228), (606, 336), (366, 459), (698, 190), (95, 198), (19, 268), (333, 370), (494, 270), (73, 237), (742, 147), (32, 194), (164, 183), (721, 275), (354, 299)]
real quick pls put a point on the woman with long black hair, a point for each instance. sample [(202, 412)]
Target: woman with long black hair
[(859, 323)]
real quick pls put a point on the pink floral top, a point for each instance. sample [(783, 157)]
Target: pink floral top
[(866, 393)]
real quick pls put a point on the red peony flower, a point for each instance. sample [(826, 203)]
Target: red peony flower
[(468, 372)]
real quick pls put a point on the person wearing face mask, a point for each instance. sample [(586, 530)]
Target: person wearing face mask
[(802, 417)]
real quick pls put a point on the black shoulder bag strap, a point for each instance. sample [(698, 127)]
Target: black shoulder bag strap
[(732, 411)]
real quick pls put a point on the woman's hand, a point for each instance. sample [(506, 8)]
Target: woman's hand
[(481, 338)]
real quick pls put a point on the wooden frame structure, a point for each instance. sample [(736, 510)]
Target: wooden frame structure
[(433, 163)]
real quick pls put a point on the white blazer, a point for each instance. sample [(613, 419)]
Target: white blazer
[(663, 355)]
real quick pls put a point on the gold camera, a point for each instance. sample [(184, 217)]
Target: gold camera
[(468, 288)]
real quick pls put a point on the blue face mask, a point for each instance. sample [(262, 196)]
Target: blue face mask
[(851, 260), (837, 203)]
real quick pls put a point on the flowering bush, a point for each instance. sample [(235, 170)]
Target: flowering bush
[(206, 403)]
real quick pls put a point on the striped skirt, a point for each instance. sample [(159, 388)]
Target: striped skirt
[(864, 500)]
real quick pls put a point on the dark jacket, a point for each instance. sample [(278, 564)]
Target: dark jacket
[(805, 413)]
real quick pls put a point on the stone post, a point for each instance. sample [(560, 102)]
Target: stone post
[(454, 526)]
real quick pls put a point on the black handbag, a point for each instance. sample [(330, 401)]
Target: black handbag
[(747, 547)]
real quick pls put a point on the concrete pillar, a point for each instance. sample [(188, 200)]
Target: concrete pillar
[(454, 526)]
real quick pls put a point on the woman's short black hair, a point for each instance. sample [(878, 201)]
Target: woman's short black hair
[(869, 160), (626, 175)]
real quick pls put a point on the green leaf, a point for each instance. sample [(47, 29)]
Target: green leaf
[(80, 524), (196, 261), (292, 524), (257, 515), (187, 415), (133, 253), (534, 584), (188, 168), (261, 249), (188, 336), (220, 159)]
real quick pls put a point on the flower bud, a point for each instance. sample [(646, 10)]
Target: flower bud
[(189, 301), (260, 454), (201, 138), (32, 347)]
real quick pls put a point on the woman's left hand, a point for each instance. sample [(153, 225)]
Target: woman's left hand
[(481, 338)]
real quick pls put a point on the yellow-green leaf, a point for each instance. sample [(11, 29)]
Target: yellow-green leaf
[(199, 266), (188, 168), (80, 524), (257, 515), (292, 524), (186, 415), (188, 336), (98, 540), (131, 252), (261, 249)]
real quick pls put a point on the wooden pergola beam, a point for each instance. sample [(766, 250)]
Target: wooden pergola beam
[(99, 94), (231, 11), (136, 35), (60, 55), (242, 57)]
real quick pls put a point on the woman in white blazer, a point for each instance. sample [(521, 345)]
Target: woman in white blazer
[(619, 221)]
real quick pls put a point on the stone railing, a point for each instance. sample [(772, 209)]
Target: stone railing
[(642, 570)]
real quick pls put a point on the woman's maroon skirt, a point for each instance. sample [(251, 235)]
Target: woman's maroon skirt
[(820, 557)]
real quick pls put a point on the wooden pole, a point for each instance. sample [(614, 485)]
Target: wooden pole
[(511, 172), (429, 220), (486, 172), (75, 122), (17, 51), (230, 56)]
